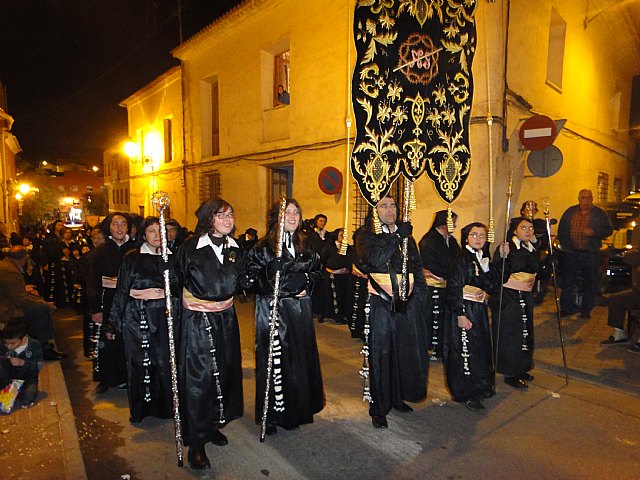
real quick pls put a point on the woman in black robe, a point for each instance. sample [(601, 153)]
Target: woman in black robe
[(296, 392), (467, 357), (513, 322), (138, 312), (110, 368), (438, 249), (336, 277), (210, 363)]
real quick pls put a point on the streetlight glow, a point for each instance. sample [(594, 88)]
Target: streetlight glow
[(24, 188), (94, 168), (131, 149)]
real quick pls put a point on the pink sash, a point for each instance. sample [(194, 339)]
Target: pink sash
[(197, 305), (147, 294)]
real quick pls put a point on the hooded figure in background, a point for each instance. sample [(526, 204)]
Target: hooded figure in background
[(438, 250)]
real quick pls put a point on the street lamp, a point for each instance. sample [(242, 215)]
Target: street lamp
[(24, 188)]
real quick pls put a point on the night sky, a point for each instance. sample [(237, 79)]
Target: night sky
[(66, 64)]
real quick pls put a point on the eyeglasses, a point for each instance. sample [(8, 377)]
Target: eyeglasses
[(526, 227), (478, 235), (224, 216)]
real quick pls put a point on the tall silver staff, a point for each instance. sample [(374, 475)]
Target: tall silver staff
[(555, 289), (504, 260), (273, 319), (403, 287), (160, 201)]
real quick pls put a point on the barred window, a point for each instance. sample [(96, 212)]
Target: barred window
[(603, 187), (617, 189), (210, 185)]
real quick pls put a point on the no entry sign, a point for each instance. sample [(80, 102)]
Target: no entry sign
[(538, 132), (330, 180)]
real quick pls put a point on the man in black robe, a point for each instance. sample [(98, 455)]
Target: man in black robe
[(396, 344), (438, 250)]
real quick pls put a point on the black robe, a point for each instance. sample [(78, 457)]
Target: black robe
[(468, 353), (437, 257), (206, 278), (143, 324), (301, 378), (514, 341), (398, 359), (335, 299), (110, 365)]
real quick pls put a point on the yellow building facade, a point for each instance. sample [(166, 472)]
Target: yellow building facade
[(245, 142)]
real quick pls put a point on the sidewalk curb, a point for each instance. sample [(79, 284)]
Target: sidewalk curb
[(588, 377), (73, 463)]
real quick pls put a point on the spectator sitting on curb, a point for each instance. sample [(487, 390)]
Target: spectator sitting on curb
[(21, 359)]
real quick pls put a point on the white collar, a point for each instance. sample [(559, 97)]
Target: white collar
[(205, 241), (387, 228), (519, 243), (126, 239), (21, 348), (482, 260), (146, 248)]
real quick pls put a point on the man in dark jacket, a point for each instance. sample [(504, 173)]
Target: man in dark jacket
[(581, 231)]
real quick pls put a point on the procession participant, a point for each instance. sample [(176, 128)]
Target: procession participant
[(138, 312), (513, 323), (296, 392), (102, 275), (335, 279), (210, 363), (467, 334), (438, 249), (397, 339)]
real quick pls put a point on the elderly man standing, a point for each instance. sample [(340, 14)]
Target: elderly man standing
[(581, 231), (19, 301)]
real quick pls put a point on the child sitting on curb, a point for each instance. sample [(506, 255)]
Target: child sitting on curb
[(20, 359)]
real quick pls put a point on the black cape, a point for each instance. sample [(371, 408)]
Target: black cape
[(398, 342), (468, 353), (301, 377), (143, 324), (201, 273)]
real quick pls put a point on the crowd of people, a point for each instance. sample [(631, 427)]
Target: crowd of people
[(409, 302)]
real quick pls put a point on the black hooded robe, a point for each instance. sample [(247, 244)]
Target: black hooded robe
[(300, 377), (200, 272)]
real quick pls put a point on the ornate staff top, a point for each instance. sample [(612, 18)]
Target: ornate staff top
[(160, 200)]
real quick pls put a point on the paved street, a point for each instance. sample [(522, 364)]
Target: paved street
[(584, 430)]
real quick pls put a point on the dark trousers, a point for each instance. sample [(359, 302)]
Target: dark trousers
[(37, 317), (621, 303), (585, 264)]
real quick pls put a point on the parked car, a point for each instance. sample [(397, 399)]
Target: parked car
[(634, 199), (625, 217)]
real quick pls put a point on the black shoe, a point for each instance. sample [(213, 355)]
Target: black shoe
[(102, 388), (379, 422), (474, 405), (566, 313), (123, 386), (271, 429), (515, 382), (527, 377), (403, 408), (198, 458), (585, 315), (489, 394), (53, 354), (218, 438), (612, 341), (635, 348)]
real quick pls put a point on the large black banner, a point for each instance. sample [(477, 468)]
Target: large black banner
[(412, 90)]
